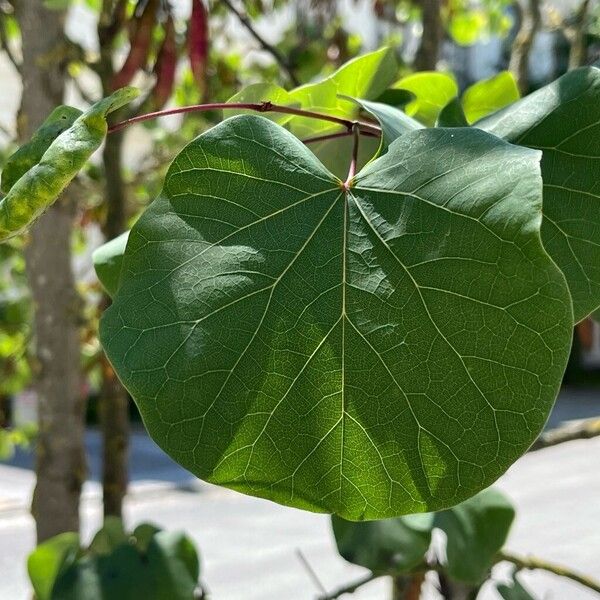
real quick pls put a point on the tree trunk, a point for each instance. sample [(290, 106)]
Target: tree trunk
[(431, 38), (531, 19), (578, 53), (60, 456), (114, 400)]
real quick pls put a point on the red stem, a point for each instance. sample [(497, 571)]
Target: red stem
[(257, 106)]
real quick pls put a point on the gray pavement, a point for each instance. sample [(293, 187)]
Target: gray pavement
[(249, 546)]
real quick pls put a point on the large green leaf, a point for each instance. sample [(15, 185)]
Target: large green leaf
[(563, 120), (385, 546), (48, 560), (387, 350), (40, 185), (476, 530)]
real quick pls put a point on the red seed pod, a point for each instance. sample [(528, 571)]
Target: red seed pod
[(198, 42), (165, 67), (140, 46)]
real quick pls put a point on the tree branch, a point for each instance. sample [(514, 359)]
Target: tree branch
[(275, 53), (350, 588), (261, 107), (583, 430), (578, 52), (530, 563), (531, 19)]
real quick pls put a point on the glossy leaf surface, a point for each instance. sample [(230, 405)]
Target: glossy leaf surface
[(387, 350), (563, 120)]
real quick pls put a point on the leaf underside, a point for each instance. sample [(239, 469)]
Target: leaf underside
[(382, 351)]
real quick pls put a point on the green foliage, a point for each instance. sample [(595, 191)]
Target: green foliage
[(476, 530), (324, 357), (432, 91), (50, 168), (489, 95), (16, 437), (386, 546), (108, 260), (149, 564), (514, 591), (562, 120)]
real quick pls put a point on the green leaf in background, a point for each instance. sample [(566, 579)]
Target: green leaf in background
[(110, 536), (452, 115), (108, 260), (432, 92), (476, 530), (563, 120), (41, 185), (393, 121), (489, 95), (168, 570), (47, 561), (31, 153), (467, 26), (385, 546), (330, 349), (367, 76), (262, 92)]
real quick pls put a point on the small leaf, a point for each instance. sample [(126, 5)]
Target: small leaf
[(31, 153), (48, 560), (514, 591), (143, 535), (476, 530), (488, 96), (107, 260), (393, 121), (386, 546), (563, 120), (110, 536), (41, 185), (331, 349), (452, 115), (432, 92)]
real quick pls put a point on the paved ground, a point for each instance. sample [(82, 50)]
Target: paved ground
[(249, 546)]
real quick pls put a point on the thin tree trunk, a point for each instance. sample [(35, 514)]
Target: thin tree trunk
[(431, 38), (60, 457), (578, 53), (531, 19), (114, 401)]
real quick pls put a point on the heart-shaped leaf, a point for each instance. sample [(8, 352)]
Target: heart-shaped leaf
[(563, 120), (385, 349)]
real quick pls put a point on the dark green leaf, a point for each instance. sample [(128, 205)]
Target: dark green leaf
[(41, 185), (143, 534), (48, 560), (371, 353), (514, 591), (476, 531), (386, 546), (108, 259), (563, 120), (452, 115)]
